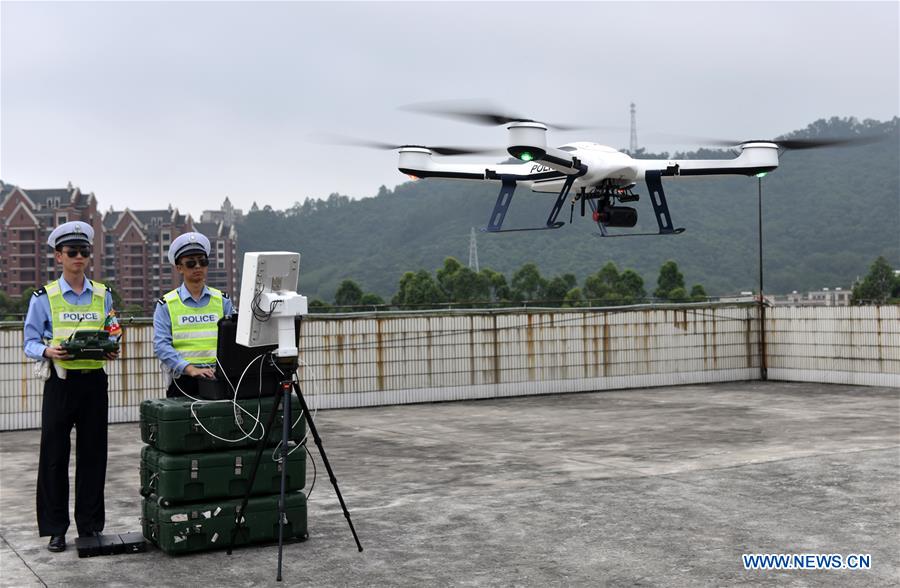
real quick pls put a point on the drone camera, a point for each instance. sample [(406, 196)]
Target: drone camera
[(618, 216)]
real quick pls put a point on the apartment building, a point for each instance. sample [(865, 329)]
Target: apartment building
[(28, 216), (130, 246)]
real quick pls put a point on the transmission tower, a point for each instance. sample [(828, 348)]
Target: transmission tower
[(633, 145), (473, 251)]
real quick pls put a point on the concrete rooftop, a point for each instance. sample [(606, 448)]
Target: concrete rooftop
[(664, 486)]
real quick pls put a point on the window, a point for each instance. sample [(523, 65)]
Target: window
[(62, 218), (26, 235)]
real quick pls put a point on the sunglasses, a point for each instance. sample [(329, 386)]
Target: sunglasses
[(84, 251), (192, 263)]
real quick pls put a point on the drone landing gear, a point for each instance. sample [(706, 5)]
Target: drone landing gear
[(660, 206), (605, 214), (504, 198)]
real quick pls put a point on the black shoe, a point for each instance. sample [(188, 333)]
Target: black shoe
[(57, 543), (90, 534)]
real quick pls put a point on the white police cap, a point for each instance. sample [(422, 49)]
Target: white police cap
[(188, 243), (71, 233)]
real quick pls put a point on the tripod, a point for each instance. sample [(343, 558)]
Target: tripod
[(284, 397)]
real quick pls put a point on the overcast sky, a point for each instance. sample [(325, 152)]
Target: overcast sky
[(151, 103)]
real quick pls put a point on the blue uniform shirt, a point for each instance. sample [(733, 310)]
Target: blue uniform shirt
[(38, 323), (162, 328)]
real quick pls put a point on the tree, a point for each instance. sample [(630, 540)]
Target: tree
[(630, 287), (371, 299), (8, 307), (609, 287), (460, 284), (15, 309), (348, 294), (417, 289), (600, 288), (499, 290), (527, 283), (574, 298), (669, 279), (316, 305), (698, 293), (556, 289), (878, 285), (678, 294), (446, 274)]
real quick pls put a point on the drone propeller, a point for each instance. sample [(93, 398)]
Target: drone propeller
[(792, 144), (484, 113), (440, 150), (817, 143)]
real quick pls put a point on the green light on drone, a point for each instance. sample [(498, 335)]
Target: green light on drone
[(526, 156), (761, 174)]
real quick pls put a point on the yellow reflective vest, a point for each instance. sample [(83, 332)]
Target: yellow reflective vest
[(67, 318), (195, 331)]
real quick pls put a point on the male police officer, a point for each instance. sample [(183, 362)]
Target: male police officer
[(185, 323), (74, 394)]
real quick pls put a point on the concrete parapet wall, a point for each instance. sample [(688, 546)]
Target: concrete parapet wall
[(393, 358), (840, 345)]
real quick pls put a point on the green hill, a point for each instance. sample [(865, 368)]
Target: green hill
[(827, 214)]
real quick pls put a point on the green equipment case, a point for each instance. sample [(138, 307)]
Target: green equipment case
[(206, 526), (179, 478), (168, 424)]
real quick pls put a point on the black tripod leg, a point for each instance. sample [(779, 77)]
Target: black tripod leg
[(260, 446), (285, 437), (318, 440)]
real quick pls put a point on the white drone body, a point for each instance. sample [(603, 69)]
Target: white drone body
[(596, 174)]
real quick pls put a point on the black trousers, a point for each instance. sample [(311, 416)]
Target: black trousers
[(188, 384), (80, 401)]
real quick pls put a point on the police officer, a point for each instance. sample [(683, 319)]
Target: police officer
[(185, 323), (75, 393)]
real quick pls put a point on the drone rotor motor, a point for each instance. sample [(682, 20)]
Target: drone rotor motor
[(527, 140)]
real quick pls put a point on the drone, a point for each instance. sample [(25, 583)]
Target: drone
[(592, 175)]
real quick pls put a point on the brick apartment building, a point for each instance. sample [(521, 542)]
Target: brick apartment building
[(130, 246), (136, 244), (28, 216)]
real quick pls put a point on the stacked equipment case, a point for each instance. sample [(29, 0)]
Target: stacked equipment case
[(193, 480)]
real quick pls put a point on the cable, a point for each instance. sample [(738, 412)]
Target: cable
[(315, 472), (237, 419), (258, 313), (235, 390)]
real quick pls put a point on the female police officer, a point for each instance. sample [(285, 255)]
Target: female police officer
[(185, 330), (75, 393)]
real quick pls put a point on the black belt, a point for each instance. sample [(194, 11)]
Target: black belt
[(83, 372)]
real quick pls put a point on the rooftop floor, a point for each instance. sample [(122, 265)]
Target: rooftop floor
[(662, 486)]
